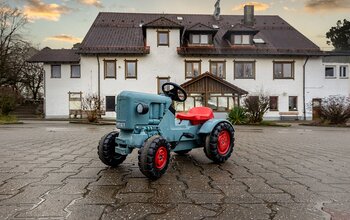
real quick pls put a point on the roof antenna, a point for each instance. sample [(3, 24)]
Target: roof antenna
[(217, 10)]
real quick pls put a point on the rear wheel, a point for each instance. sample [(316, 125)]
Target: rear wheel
[(106, 150), (154, 157), (219, 144)]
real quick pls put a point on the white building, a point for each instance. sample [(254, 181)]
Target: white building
[(135, 51)]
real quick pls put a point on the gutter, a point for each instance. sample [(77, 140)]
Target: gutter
[(98, 80), (304, 104)]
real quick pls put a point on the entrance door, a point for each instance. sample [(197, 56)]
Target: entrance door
[(75, 99), (316, 108)]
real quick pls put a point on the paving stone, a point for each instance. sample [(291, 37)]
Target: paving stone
[(86, 212), (339, 211), (73, 186), (137, 198), (169, 194), (69, 168), (7, 211), (131, 211), (30, 195), (12, 186), (185, 211), (137, 185), (54, 178), (205, 198), (238, 194), (274, 173), (299, 211), (53, 206), (99, 195), (252, 211)]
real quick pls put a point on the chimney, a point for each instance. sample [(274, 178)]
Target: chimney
[(217, 10), (249, 15)]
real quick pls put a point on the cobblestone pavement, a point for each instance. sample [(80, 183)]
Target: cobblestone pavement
[(50, 170)]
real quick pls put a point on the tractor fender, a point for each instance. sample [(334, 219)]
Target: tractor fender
[(209, 125)]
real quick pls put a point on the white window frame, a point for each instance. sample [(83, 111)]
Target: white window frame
[(201, 39), (242, 39), (343, 71), (334, 72), (59, 74)]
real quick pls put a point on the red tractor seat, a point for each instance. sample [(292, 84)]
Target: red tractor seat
[(197, 115)]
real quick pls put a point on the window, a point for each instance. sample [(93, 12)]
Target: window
[(75, 71), (163, 38), (283, 70), (244, 70), (131, 69), (293, 103), (239, 39), (330, 71), (201, 39), (160, 82), (110, 103), (220, 102), (192, 69), (110, 69), (343, 71), (273, 103), (55, 71), (218, 68)]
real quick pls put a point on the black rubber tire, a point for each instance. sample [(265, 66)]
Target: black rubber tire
[(106, 150), (211, 143), (147, 157), (182, 152)]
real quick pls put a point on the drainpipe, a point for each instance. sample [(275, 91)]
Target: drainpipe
[(98, 80), (304, 104)]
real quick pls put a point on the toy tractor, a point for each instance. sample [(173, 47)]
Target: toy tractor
[(147, 122)]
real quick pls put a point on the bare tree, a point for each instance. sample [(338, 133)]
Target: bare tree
[(11, 44)]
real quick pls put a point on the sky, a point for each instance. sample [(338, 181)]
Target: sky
[(60, 24)]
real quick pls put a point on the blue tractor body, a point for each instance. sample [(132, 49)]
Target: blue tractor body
[(147, 122)]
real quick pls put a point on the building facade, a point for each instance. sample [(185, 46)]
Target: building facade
[(139, 52)]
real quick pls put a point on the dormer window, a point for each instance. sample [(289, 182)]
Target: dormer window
[(241, 39), (201, 39)]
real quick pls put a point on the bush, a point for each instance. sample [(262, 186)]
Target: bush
[(335, 110), (256, 107), (92, 106), (237, 116), (8, 119), (8, 100)]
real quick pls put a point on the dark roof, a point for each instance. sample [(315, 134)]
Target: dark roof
[(120, 33), (224, 85), (240, 28), (337, 56), (200, 27), (162, 22), (48, 55)]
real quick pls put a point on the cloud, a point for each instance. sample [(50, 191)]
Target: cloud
[(96, 3), (258, 6), (288, 9), (326, 5), (64, 38), (36, 9)]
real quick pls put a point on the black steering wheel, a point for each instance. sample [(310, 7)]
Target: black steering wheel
[(174, 91)]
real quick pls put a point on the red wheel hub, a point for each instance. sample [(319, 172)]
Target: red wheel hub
[(224, 142), (161, 157)]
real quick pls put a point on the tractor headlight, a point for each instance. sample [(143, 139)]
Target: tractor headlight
[(142, 108)]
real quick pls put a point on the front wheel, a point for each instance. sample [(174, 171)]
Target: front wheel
[(219, 144), (106, 150), (154, 157)]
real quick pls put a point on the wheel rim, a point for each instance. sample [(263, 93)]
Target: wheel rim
[(224, 142), (161, 157)]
